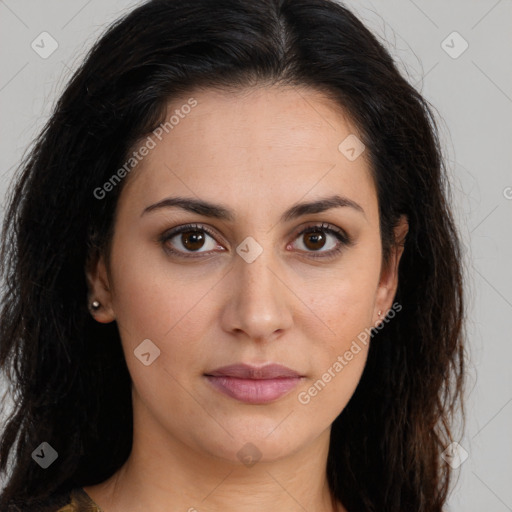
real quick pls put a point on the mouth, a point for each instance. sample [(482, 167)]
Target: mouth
[(254, 385)]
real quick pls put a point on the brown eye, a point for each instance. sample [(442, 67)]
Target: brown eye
[(188, 239), (322, 241), (192, 240), (314, 240)]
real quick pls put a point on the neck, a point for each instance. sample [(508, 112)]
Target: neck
[(161, 471)]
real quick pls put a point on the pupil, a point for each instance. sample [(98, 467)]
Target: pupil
[(192, 240)]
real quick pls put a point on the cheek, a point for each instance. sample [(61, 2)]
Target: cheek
[(326, 395), (174, 317), (337, 353), (173, 310), (152, 297), (338, 326), (344, 297)]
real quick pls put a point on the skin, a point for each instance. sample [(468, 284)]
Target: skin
[(257, 152)]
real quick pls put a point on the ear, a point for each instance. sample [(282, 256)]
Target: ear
[(388, 282), (99, 289)]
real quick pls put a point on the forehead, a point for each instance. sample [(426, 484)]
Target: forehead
[(262, 144)]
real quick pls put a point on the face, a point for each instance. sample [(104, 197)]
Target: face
[(242, 274)]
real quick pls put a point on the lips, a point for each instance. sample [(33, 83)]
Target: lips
[(254, 384), (245, 371)]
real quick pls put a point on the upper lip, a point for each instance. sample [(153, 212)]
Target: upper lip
[(246, 371)]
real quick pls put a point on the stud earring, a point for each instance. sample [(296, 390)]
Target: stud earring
[(379, 312), (95, 305)]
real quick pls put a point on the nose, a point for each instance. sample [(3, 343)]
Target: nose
[(259, 303)]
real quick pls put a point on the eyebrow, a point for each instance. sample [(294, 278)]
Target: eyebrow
[(220, 212)]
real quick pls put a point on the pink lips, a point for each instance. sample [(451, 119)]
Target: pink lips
[(254, 385)]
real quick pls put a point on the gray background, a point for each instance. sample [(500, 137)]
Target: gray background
[(473, 97)]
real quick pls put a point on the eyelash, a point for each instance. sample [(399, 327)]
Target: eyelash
[(343, 238)]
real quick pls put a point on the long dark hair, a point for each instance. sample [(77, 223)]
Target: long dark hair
[(70, 383)]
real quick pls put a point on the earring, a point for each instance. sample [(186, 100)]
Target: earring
[(95, 305), (379, 312)]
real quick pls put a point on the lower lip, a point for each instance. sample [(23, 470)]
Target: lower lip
[(254, 391)]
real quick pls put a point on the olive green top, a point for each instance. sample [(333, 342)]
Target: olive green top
[(80, 501)]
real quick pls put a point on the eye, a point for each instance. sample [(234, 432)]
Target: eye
[(318, 241), (323, 239), (189, 238)]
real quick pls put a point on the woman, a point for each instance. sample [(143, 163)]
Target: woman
[(233, 278)]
